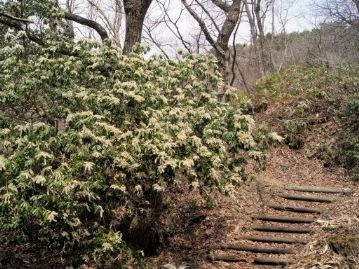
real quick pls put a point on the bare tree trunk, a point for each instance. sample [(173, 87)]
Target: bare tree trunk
[(356, 2), (254, 35), (234, 56), (273, 19), (135, 11), (224, 36), (222, 60), (264, 50)]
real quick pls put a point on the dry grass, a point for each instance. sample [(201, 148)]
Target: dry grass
[(326, 254)]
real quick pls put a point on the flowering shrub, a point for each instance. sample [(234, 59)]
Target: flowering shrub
[(132, 128)]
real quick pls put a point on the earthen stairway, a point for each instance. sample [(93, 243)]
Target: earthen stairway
[(274, 236)]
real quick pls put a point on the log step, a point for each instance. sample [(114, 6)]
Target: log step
[(312, 210), (282, 229), (318, 189), (254, 249), (284, 219), (280, 240), (226, 258), (307, 198), (271, 261)]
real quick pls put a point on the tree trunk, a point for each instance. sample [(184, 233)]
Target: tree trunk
[(135, 11), (356, 2), (273, 19), (264, 50), (254, 37), (223, 39), (223, 61)]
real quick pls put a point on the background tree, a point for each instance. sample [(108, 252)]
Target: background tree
[(342, 11), (111, 15), (222, 18), (256, 11)]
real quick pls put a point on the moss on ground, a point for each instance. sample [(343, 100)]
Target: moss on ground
[(345, 245)]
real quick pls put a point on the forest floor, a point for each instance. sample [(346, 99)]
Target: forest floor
[(232, 216)]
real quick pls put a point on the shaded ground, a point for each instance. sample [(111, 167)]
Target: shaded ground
[(28, 256)]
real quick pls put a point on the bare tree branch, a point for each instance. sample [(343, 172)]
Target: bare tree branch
[(177, 33), (87, 22), (114, 24), (149, 32), (234, 60), (22, 20), (20, 27), (209, 15), (204, 28)]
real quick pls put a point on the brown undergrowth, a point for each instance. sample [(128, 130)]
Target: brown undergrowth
[(199, 230)]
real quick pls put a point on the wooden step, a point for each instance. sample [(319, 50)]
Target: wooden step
[(311, 210), (226, 258), (280, 240), (318, 189), (307, 198), (255, 249), (271, 261), (275, 229), (284, 219)]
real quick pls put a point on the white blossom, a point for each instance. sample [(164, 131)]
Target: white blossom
[(39, 179), (2, 163), (51, 217)]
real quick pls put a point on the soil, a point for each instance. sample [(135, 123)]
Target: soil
[(27, 256)]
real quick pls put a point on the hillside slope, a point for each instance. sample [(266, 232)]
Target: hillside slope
[(316, 110)]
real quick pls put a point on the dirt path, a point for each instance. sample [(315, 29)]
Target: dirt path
[(256, 206)]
